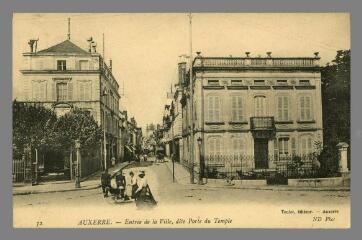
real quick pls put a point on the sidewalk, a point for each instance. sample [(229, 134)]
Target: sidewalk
[(182, 176), (90, 182)]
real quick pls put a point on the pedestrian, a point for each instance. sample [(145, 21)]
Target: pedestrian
[(113, 159), (121, 183), (105, 182), (133, 184), (144, 197)]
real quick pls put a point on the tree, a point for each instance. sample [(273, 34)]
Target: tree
[(336, 102), (75, 125), (33, 125)]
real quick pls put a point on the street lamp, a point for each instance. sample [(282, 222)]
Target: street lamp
[(201, 170), (105, 93), (77, 176)]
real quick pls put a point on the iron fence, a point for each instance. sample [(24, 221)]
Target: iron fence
[(18, 170), (279, 169)]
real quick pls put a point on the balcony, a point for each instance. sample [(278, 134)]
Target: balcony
[(262, 127)]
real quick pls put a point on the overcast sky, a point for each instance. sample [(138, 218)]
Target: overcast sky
[(145, 47)]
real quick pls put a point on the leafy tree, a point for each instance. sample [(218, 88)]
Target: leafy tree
[(336, 102), (32, 124), (75, 125)]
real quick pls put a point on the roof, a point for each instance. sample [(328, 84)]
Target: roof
[(64, 47)]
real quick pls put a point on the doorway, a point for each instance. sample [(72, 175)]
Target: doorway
[(261, 153)]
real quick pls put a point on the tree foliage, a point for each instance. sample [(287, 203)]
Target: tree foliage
[(336, 102)]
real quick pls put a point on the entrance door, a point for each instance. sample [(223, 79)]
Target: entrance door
[(261, 153)]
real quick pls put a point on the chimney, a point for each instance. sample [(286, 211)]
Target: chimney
[(198, 54), (110, 65), (31, 45), (316, 54), (247, 54), (269, 54)]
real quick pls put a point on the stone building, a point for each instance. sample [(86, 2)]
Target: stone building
[(64, 77), (250, 112)]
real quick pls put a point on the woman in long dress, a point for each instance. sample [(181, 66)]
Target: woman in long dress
[(144, 197)]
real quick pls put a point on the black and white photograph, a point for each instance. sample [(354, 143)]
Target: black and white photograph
[(181, 120)]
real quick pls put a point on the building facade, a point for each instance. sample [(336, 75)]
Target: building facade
[(64, 77), (249, 113)]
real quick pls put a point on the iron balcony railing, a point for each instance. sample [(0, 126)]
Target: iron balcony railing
[(262, 123)]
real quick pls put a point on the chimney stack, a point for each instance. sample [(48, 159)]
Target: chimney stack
[(269, 54), (247, 54), (316, 54)]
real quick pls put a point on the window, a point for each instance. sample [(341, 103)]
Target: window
[(306, 145), (304, 82), (62, 91), (236, 82), (39, 91), (213, 82), (83, 65), (260, 108), (283, 146), (238, 145), (305, 108), (237, 108), (61, 65), (214, 108), (259, 82), (283, 108), (282, 82), (85, 90), (215, 146)]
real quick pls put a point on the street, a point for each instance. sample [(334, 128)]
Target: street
[(167, 193)]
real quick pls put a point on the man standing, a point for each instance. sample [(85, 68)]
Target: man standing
[(105, 182), (121, 183)]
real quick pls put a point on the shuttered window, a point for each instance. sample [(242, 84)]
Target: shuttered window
[(85, 90), (306, 145), (215, 146), (214, 108), (283, 108), (260, 108), (39, 91), (237, 108), (305, 108), (62, 91), (238, 145), (283, 145)]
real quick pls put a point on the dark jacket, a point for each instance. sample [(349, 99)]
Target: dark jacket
[(120, 180), (106, 179)]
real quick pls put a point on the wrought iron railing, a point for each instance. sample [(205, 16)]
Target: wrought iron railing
[(262, 123)]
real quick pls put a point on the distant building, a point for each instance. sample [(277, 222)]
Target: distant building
[(64, 77)]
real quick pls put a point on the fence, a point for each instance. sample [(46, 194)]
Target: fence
[(18, 170), (279, 168)]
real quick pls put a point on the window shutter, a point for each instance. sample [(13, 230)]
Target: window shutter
[(70, 91), (54, 91), (285, 116), (280, 113), (33, 90), (217, 108), (211, 117), (233, 108), (302, 108), (44, 90), (294, 147), (308, 108), (240, 108), (276, 149), (310, 147)]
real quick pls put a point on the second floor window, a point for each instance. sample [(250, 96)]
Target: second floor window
[(237, 108), (214, 108), (259, 105), (62, 91), (39, 91), (85, 90), (305, 109), (61, 65), (283, 108)]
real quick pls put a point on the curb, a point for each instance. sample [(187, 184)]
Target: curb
[(343, 189), (64, 190)]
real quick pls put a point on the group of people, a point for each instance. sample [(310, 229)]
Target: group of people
[(116, 186)]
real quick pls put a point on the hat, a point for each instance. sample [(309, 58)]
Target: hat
[(142, 172)]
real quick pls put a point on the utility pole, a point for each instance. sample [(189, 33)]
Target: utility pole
[(191, 106), (68, 28)]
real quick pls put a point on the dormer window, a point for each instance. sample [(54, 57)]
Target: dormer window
[(213, 82), (61, 65), (259, 82), (236, 82), (304, 82), (282, 82)]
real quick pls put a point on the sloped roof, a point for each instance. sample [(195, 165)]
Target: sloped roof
[(64, 47)]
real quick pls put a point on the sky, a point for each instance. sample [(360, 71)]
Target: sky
[(145, 47)]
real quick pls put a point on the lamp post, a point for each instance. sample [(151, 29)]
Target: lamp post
[(201, 162), (104, 94), (77, 173)]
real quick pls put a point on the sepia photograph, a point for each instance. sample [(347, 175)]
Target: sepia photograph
[(181, 120)]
